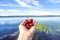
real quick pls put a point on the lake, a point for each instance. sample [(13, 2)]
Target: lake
[(9, 27)]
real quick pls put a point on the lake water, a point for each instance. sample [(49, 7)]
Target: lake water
[(9, 25)]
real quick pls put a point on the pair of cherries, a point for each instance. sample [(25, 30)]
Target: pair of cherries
[(28, 23)]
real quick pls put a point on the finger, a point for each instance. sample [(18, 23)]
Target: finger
[(32, 29), (21, 27)]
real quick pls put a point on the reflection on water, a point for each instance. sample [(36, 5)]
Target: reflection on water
[(48, 28)]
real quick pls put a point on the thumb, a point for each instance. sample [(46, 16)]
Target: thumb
[(21, 27)]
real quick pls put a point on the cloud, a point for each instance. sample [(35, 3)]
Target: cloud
[(11, 12), (1, 10), (5, 5), (36, 3), (9, 5), (39, 12), (21, 3), (26, 3), (55, 1)]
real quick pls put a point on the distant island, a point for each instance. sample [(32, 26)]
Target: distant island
[(32, 16)]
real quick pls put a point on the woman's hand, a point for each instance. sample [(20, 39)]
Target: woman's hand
[(26, 34)]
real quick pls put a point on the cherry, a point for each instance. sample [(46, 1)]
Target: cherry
[(25, 22), (27, 26), (31, 24), (28, 23), (31, 20)]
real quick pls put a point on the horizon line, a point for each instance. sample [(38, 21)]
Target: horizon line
[(32, 16)]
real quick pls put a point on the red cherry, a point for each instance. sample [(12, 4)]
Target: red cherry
[(31, 20), (31, 24), (27, 26), (28, 23), (24, 24)]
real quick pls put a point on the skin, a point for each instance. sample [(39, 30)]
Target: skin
[(26, 34)]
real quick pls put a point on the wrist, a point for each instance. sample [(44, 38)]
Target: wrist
[(24, 37)]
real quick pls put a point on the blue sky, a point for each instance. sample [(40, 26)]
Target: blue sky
[(29, 7)]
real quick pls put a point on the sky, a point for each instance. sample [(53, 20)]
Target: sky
[(29, 7)]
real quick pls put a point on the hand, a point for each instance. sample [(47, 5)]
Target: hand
[(26, 34)]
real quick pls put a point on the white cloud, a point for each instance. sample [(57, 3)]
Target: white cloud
[(6, 5), (9, 5), (27, 12), (55, 1), (21, 3), (36, 3), (24, 3), (13, 10), (28, 1), (2, 10), (9, 10), (39, 13)]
